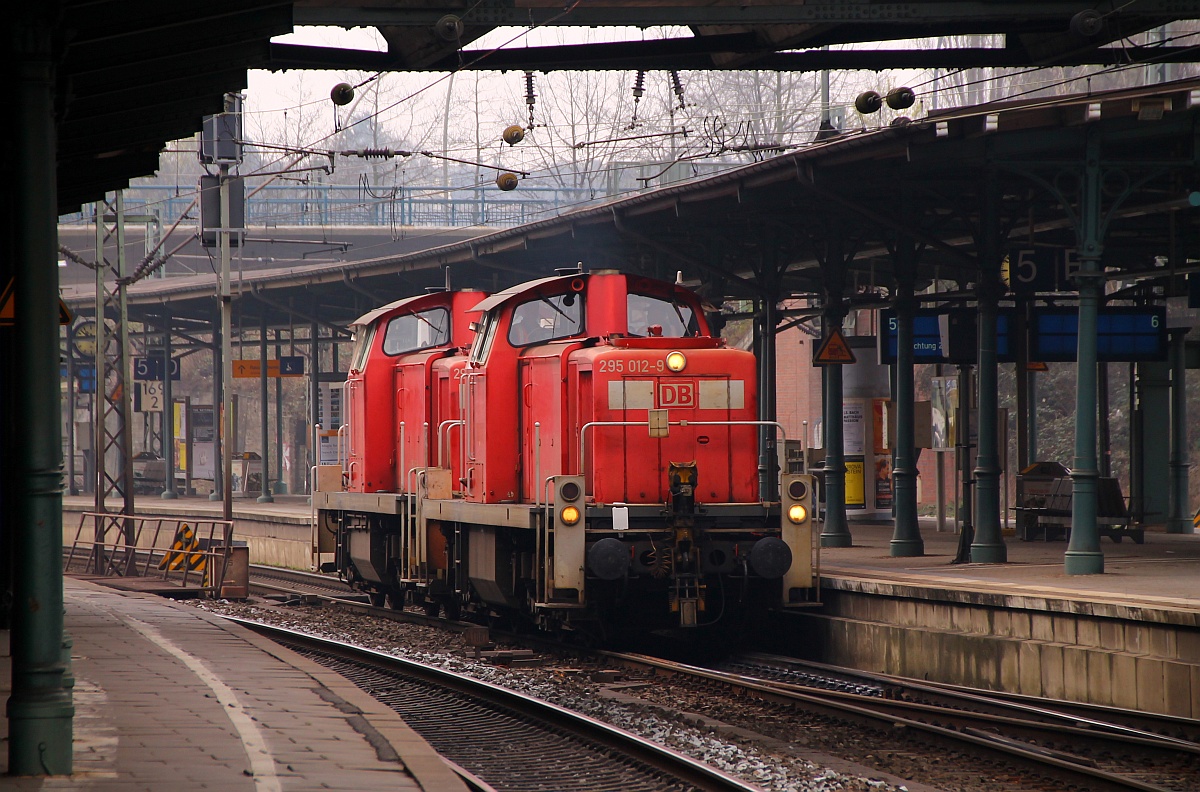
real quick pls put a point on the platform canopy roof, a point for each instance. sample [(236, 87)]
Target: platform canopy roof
[(135, 75), (771, 229)]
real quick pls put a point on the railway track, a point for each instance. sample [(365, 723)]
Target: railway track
[(507, 740), (1091, 753), (1177, 732), (1065, 743), (277, 581)]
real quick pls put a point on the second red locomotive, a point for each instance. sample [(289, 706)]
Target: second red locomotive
[(577, 449)]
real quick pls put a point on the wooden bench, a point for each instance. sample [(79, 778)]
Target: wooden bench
[(1049, 517)]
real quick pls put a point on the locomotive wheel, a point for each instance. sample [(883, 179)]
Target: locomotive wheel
[(395, 600), (453, 610), (431, 607), (378, 599)]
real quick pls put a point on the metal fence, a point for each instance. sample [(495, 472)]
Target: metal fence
[(347, 205), (186, 551), (425, 206)]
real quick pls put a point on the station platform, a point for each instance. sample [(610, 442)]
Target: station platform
[(1129, 637), (1164, 572), (169, 697)]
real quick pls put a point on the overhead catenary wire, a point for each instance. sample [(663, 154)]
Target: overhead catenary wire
[(1006, 75)]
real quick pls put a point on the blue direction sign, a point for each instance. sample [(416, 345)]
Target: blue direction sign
[(946, 336), (85, 375), (291, 366), (150, 369), (1122, 334)]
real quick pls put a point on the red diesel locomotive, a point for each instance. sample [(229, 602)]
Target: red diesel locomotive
[(577, 449)]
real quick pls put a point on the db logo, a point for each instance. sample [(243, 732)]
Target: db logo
[(676, 393)]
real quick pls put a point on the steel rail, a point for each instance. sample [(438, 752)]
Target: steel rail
[(872, 709), (1087, 717), (672, 763)]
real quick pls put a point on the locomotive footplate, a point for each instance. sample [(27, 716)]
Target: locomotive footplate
[(364, 502)]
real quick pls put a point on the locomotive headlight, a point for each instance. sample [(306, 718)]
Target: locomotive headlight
[(676, 361), (569, 515), (797, 513)]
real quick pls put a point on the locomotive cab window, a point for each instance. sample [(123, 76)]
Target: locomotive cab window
[(546, 318), (486, 334), (362, 347), (656, 316), (421, 330)]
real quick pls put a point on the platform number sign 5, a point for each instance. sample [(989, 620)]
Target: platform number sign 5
[(1041, 269), (150, 369)]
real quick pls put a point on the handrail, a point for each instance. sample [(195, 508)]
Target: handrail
[(121, 557), (314, 537), (542, 540), (583, 437), (341, 429), (444, 434), (466, 397), (537, 455)]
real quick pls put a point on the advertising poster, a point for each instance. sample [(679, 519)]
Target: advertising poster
[(856, 494), (854, 427), (331, 420), (179, 419), (202, 426), (883, 483), (879, 425)]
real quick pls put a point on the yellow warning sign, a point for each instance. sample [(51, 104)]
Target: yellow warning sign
[(834, 351), (188, 551), (8, 308), (8, 312)]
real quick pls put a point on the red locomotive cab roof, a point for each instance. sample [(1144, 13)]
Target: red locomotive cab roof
[(439, 320), (601, 304)]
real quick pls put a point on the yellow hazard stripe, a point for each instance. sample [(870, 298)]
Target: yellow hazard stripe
[(185, 546)]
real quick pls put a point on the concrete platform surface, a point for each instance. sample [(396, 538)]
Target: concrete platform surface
[(168, 697), (1161, 573)]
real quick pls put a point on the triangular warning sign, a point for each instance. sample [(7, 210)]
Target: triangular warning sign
[(834, 351), (8, 312), (1036, 365)]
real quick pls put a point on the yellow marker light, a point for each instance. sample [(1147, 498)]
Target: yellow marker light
[(676, 361), (797, 513), (569, 515)]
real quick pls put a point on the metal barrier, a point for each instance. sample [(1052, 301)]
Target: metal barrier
[(180, 549)]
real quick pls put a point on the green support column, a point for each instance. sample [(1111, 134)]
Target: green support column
[(218, 450), (906, 536), (40, 709), (168, 413), (1179, 520), (1083, 556), (988, 546), (264, 415), (281, 486), (835, 531)]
